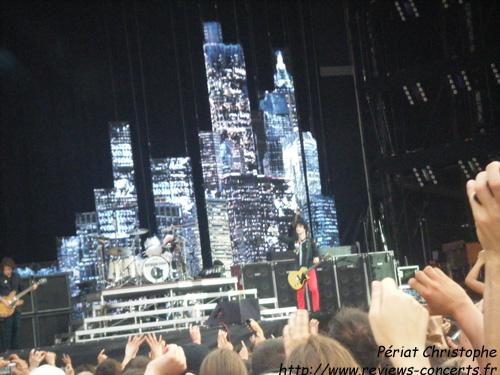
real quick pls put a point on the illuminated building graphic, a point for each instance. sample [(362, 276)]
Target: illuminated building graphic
[(68, 258), (229, 103), (218, 228), (211, 162), (324, 221), (255, 203), (117, 207), (86, 224), (294, 166), (122, 158), (175, 206)]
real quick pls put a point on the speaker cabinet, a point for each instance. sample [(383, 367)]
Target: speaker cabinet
[(286, 295), (52, 324), (28, 305), (234, 312), (381, 265), (28, 334), (352, 280), (55, 295), (327, 285), (259, 276)]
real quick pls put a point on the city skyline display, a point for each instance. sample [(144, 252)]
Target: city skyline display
[(258, 195), (244, 196)]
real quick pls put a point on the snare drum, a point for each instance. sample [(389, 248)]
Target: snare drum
[(156, 269)]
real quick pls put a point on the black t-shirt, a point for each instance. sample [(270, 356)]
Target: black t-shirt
[(8, 285)]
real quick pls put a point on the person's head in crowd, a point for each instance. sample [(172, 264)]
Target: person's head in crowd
[(140, 362), (268, 356), (109, 366), (350, 326), (223, 362), (84, 369), (195, 354), (319, 351)]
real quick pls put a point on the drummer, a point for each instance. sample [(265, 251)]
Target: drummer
[(168, 241)]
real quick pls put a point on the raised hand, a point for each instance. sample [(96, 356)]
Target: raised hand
[(297, 331), (194, 332), (132, 347), (173, 362), (36, 357), (222, 342), (101, 357), (156, 345), (390, 312), (50, 358)]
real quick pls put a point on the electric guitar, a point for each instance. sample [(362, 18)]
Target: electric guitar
[(15, 300), (297, 279)]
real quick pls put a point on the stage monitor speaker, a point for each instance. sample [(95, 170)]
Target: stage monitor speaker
[(286, 295), (28, 334), (352, 280), (381, 265), (52, 324), (55, 295), (28, 306), (258, 276), (229, 312), (327, 285)]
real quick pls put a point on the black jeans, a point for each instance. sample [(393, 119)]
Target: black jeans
[(11, 328)]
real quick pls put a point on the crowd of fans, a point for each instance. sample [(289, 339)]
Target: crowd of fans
[(448, 335)]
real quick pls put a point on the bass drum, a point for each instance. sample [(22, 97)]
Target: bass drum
[(156, 270)]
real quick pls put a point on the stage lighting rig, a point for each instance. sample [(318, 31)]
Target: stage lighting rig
[(425, 175), (470, 168), (415, 93), (406, 8)]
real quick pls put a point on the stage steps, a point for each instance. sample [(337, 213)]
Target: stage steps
[(164, 307)]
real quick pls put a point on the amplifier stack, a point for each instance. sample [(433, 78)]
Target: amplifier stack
[(343, 281)]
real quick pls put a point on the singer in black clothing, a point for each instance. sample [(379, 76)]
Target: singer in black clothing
[(306, 254)]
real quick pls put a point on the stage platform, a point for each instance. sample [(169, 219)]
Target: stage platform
[(119, 312)]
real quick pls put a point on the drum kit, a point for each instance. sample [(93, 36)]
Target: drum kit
[(161, 261)]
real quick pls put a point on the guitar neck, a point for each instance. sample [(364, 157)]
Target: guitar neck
[(25, 291), (312, 267)]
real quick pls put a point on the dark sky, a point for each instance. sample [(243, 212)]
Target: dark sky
[(67, 68)]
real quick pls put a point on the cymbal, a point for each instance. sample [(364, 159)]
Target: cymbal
[(119, 251), (100, 238), (138, 231), (171, 228)]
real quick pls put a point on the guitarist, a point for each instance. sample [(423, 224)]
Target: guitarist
[(306, 254), (10, 281)]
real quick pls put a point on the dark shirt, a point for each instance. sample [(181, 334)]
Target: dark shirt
[(8, 285), (307, 247)]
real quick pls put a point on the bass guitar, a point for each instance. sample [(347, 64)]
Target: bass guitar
[(297, 279), (15, 300)]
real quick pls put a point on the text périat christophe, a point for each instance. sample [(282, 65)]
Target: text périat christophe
[(435, 352)]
